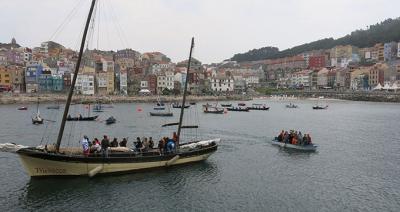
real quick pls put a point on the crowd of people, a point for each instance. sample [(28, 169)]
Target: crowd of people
[(294, 137), (165, 145)]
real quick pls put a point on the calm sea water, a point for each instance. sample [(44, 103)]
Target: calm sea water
[(355, 169)]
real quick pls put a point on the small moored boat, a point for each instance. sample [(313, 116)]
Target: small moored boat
[(238, 109), (179, 106), (226, 105), (111, 120), (81, 118), (22, 108), (291, 106), (241, 104), (258, 107), (213, 110), (161, 114), (317, 107), (308, 147), (53, 107)]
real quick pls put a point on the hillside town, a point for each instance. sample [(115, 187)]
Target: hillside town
[(49, 69)]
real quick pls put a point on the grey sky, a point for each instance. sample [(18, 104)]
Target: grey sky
[(221, 27)]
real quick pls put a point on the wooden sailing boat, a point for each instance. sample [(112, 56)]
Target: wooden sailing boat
[(82, 118), (37, 119), (65, 162)]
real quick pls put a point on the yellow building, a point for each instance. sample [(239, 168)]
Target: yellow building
[(110, 82), (5, 78)]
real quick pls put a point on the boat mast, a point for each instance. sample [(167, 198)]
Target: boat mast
[(184, 92), (71, 90)]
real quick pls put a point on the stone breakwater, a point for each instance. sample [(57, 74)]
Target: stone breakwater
[(371, 96), (61, 98)]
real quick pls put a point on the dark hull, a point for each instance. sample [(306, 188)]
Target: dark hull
[(178, 106), (226, 105), (319, 107), (214, 112), (258, 108), (110, 121), (34, 121), (53, 107), (22, 108), (239, 110), (91, 118), (161, 114)]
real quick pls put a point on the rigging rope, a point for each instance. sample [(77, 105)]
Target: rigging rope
[(66, 21)]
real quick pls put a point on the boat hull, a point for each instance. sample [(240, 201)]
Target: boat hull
[(258, 108), (90, 118), (41, 165), (239, 110), (308, 148), (160, 114)]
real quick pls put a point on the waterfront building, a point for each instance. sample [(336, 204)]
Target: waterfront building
[(101, 83), (3, 56), (49, 82), (317, 62), (152, 83), (378, 52), (165, 81), (5, 79), (341, 56), (322, 79), (301, 79), (123, 82), (17, 78), (251, 80), (390, 51), (32, 75), (398, 50), (378, 74), (222, 84), (359, 78), (84, 84)]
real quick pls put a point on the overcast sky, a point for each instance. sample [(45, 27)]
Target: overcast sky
[(221, 27)]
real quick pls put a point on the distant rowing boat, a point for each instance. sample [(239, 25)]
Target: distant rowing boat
[(161, 114), (238, 109), (317, 107)]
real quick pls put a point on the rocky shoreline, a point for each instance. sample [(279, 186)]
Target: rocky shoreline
[(60, 98), (368, 96)]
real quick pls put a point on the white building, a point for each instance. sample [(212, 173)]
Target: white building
[(102, 81), (398, 49), (222, 84), (123, 82), (84, 84), (301, 79), (251, 80)]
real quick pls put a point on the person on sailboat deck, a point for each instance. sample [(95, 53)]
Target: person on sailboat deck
[(138, 144), (105, 143), (145, 145), (85, 145), (151, 143), (175, 137), (96, 145), (170, 145), (123, 142), (114, 143), (161, 145)]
